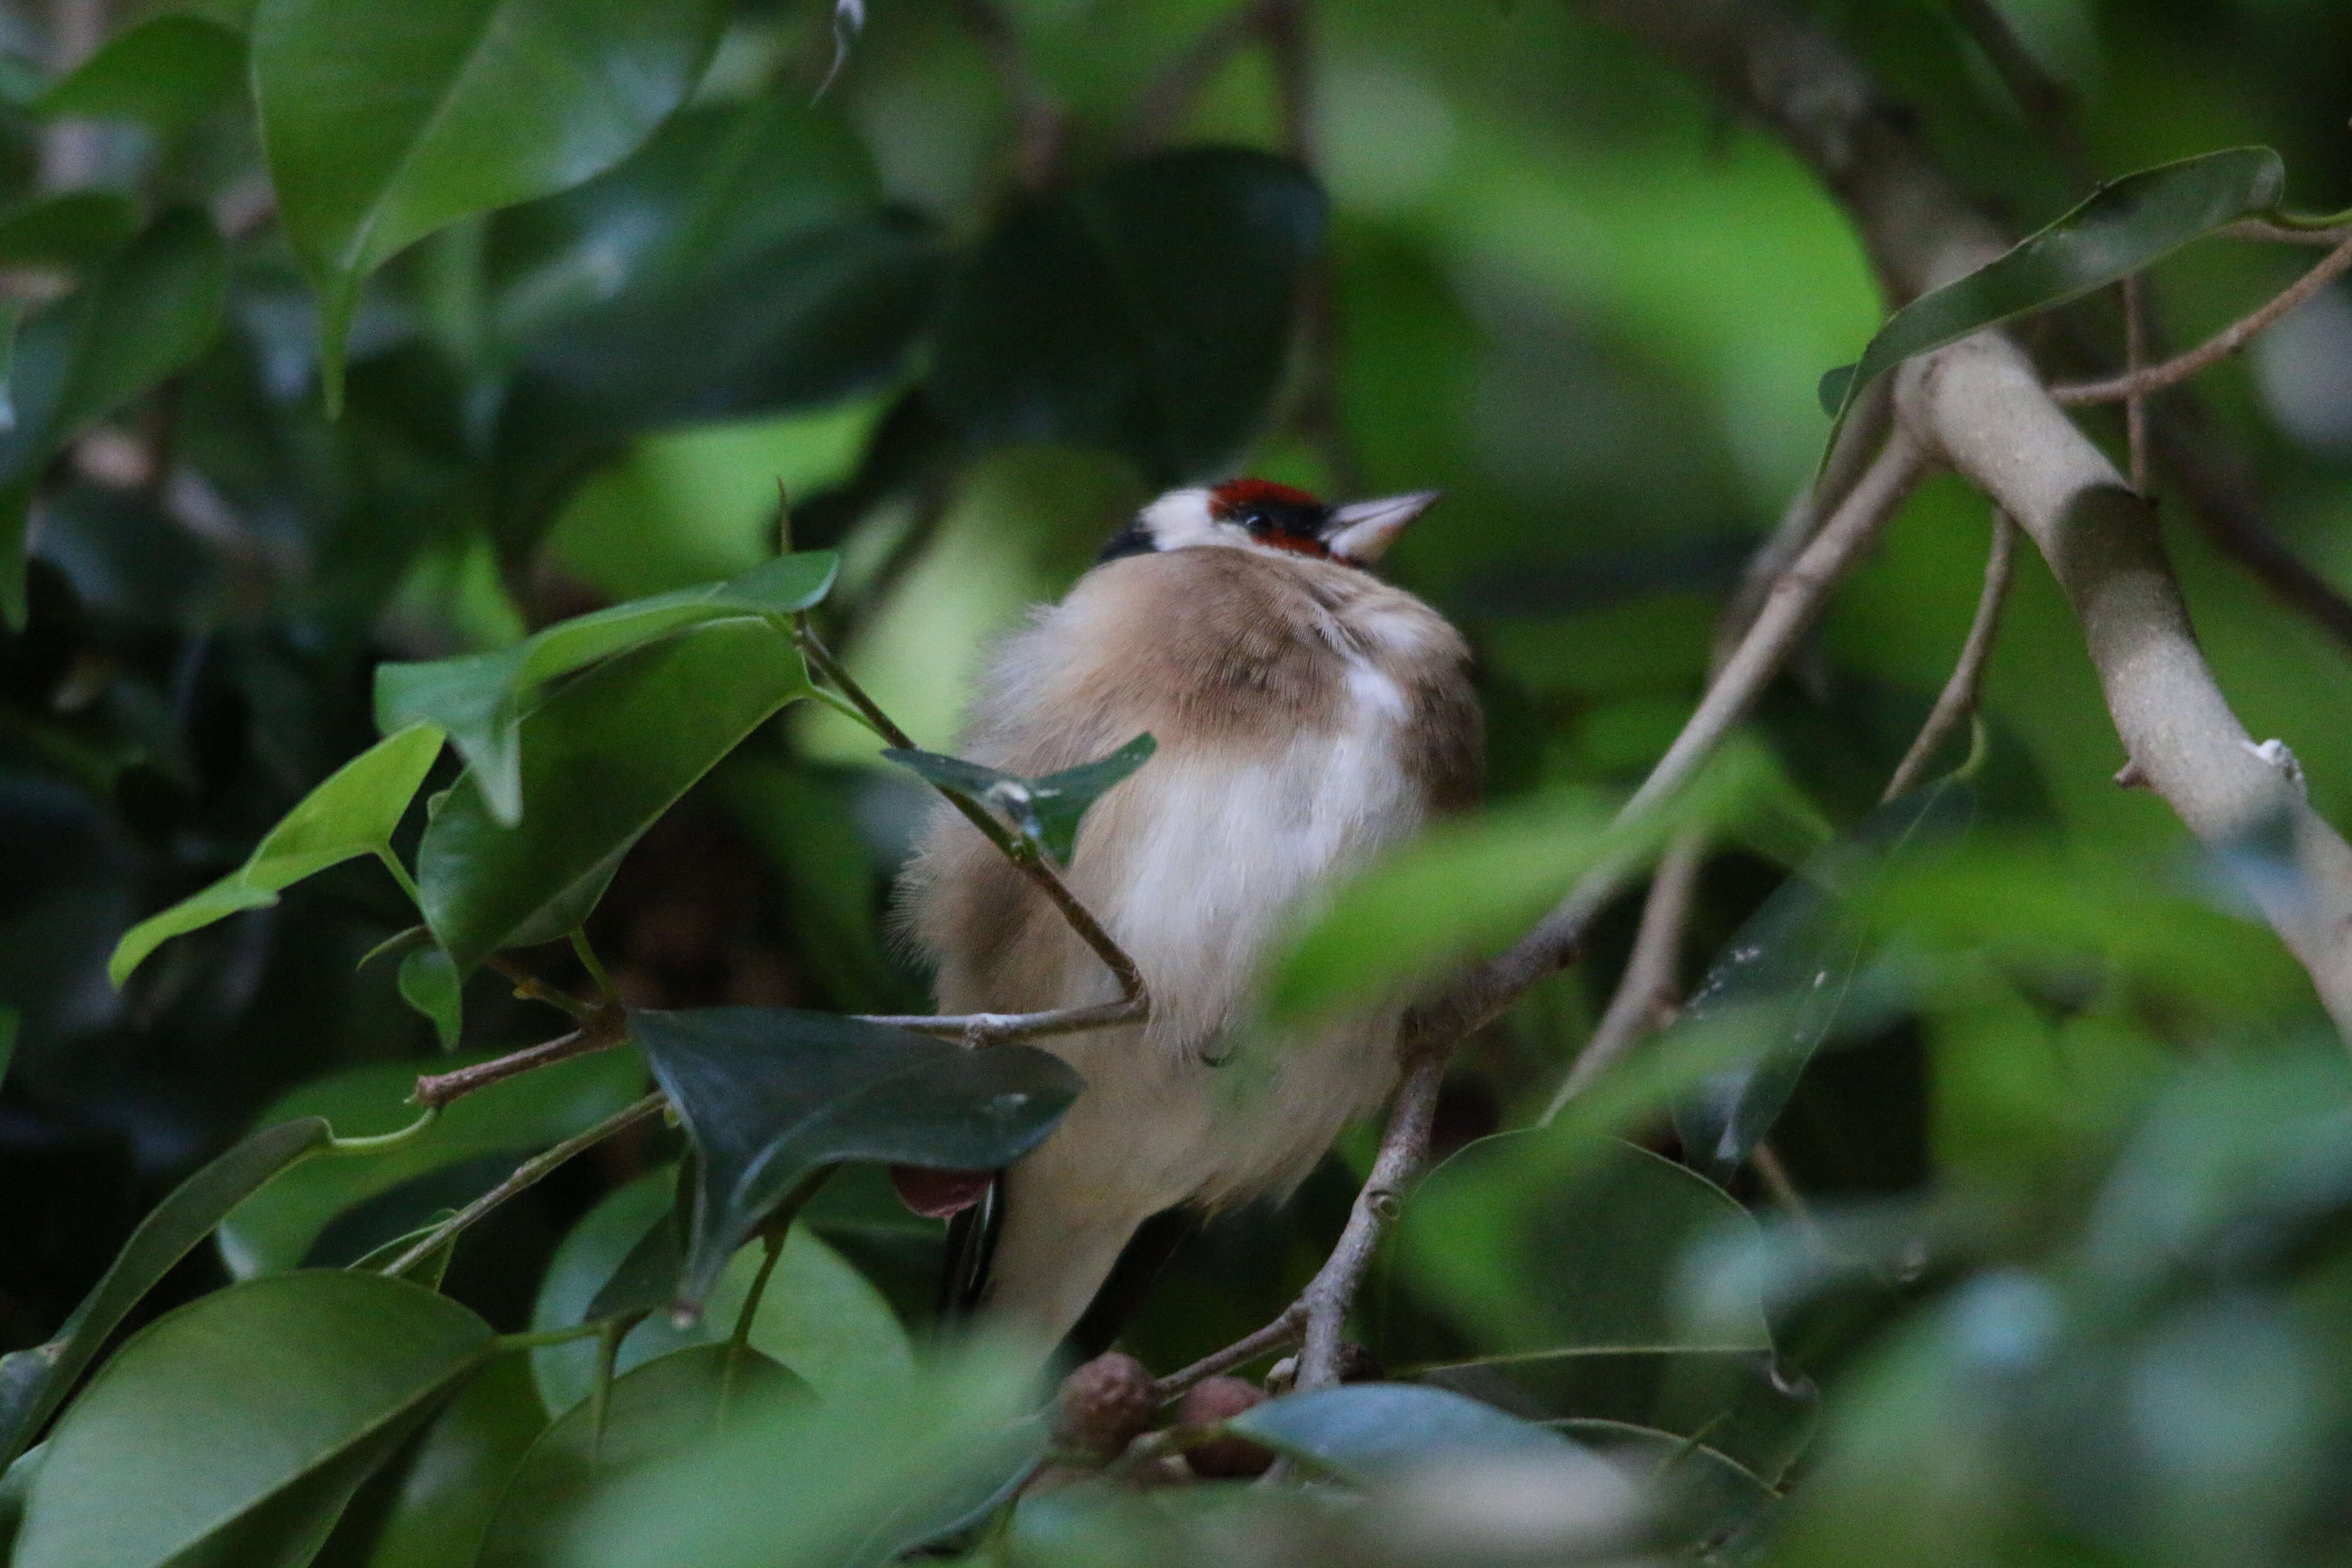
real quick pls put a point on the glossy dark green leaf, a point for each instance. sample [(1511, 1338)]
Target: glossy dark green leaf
[(769, 1093), (1148, 311), (665, 1405), (1045, 811), (429, 982), (149, 310), (33, 1382), (480, 699), (378, 135), (603, 756), (274, 1230), (1699, 1497), (1518, 1260), (2124, 226), (449, 1483), (12, 317), (352, 812), (1798, 956), (202, 1429), (16, 1482), (1368, 1430), (167, 72), (72, 229)]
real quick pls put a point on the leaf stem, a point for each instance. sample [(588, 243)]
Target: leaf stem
[(385, 1142), (593, 965), (400, 874), (1022, 854), (532, 1339), (1958, 698), (526, 1176)]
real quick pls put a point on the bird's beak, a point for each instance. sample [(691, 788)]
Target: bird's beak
[(1362, 533)]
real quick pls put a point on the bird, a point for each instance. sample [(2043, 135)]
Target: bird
[(1308, 715)]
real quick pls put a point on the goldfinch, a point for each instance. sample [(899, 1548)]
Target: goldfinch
[(1308, 715)]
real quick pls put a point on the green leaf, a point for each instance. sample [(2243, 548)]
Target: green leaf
[(72, 229), (167, 72), (803, 823), (353, 812), (16, 1482), (1148, 311), (1799, 953), (429, 982), (768, 1093), (2124, 227), (481, 699), (274, 1230), (201, 1432), (1368, 1431), (1045, 811), (149, 311), (602, 757), (664, 1406), (1525, 1242), (1473, 886), (448, 1488), (1698, 1499), (819, 1317), (377, 135), (33, 1382)]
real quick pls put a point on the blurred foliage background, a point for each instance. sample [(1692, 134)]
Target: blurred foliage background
[(1543, 273)]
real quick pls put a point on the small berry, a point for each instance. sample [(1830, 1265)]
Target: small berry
[(1104, 1406), (1216, 1400)]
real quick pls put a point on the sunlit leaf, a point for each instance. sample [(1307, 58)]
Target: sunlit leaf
[(33, 1382), (481, 699), (167, 72), (213, 1418), (768, 1093), (665, 1405), (275, 1229), (352, 812), (1045, 811), (2124, 227), (378, 135), (603, 756), (1802, 952)]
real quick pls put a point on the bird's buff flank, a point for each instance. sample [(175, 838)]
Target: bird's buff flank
[(1308, 714)]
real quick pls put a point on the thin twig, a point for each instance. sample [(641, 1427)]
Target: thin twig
[(1280, 1334), (1403, 1147), (531, 988), (1161, 107), (1024, 856), (2135, 401), (526, 1176), (2213, 351), (2286, 233), (987, 1028), (1784, 1192), (437, 1089), (2048, 103), (1962, 688), (1646, 993), (1788, 611)]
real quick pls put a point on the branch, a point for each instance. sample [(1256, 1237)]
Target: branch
[(437, 1089), (1403, 1147), (1647, 992), (1958, 698), (2139, 384), (1788, 611), (989, 1029), (1024, 856), (1979, 406), (1279, 1334)]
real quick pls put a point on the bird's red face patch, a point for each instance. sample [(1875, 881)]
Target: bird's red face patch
[(1273, 514)]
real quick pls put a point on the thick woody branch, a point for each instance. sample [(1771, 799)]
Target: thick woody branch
[(1979, 406)]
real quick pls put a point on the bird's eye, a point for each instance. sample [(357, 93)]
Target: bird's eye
[(1256, 521)]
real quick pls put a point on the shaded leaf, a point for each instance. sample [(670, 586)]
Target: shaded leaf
[(768, 1093), (1522, 1245), (214, 1417), (429, 982), (1148, 312), (72, 229), (274, 1230), (665, 1405), (480, 699), (604, 755), (167, 72), (148, 311), (378, 135), (1368, 1430), (352, 812), (447, 1487), (1697, 1497), (1798, 955), (2120, 228), (1045, 811), (33, 1382)]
